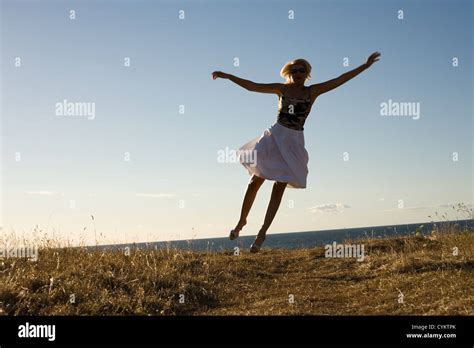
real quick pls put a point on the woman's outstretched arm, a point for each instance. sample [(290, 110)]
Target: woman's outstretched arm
[(250, 85), (324, 87)]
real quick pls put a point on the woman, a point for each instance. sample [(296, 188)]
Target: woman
[(280, 152)]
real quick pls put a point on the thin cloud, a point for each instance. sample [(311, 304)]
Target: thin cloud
[(450, 205), (328, 208), (423, 207), (156, 195), (407, 208), (41, 192)]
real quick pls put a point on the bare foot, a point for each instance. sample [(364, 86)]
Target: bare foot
[(257, 244), (234, 234)]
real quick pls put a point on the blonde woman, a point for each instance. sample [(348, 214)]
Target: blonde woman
[(280, 151)]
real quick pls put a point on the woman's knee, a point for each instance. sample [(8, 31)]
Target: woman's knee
[(256, 181), (280, 184)]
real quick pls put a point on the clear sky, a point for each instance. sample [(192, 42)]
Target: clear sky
[(58, 170)]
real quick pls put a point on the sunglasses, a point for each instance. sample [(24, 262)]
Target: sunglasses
[(301, 70)]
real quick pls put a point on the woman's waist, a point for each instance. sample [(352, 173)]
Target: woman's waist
[(293, 114), (284, 128)]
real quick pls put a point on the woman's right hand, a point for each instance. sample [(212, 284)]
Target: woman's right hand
[(220, 74)]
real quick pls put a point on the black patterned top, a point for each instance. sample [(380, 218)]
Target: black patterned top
[(292, 112)]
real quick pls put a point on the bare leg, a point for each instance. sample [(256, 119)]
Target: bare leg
[(277, 194), (252, 189)]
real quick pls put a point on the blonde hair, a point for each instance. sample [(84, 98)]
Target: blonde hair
[(286, 70)]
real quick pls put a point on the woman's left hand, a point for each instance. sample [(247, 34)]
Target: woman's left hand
[(372, 58)]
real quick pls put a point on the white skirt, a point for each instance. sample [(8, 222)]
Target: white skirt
[(278, 154)]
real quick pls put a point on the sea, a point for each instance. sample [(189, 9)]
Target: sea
[(297, 240)]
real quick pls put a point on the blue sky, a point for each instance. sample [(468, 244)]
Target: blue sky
[(72, 167)]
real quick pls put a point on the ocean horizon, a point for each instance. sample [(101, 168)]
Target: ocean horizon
[(294, 240)]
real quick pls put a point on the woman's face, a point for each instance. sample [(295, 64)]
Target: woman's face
[(298, 73)]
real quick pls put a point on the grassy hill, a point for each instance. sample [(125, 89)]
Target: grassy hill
[(418, 274)]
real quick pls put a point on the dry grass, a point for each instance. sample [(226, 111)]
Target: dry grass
[(149, 282)]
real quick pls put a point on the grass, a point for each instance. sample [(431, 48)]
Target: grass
[(77, 281)]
